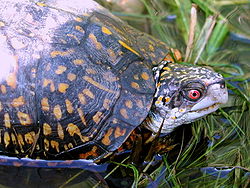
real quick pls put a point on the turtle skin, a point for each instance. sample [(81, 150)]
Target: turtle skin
[(76, 79)]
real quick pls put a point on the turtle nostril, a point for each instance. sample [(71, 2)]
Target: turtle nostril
[(222, 84)]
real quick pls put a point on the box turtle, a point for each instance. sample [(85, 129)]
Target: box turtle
[(76, 79)]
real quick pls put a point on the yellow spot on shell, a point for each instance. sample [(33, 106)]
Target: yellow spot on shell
[(145, 76), (128, 47), (98, 85), (46, 144), (106, 30), (79, 28), (57, 112), (82, 98), (7, 120), (106, 140), (81, 114), (62, 87), (61, 53), (71, 76), (6, 139), (69, 106), (73, 129), (60, 131), (3, 89), (47, 130), (20, 140), (18, 102), (45, 104), (78, 61), (13, 138), (24, 118), (128, 103), (29, 137), (167, 99), (74, 37), (60, 69), (41, 4), (88, 93), (47, 82), (55, 145), (78, 19), (97, 44), (124, 113), (106, 104), (119, 132), (135, 85), (97, 117)]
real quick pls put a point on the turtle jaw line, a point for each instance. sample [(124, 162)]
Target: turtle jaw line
[(215, 106)]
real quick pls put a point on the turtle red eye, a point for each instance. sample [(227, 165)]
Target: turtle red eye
[(194, 94)]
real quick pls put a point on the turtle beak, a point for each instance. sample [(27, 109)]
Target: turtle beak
[(216, 94)]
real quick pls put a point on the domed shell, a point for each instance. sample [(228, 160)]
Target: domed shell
[(76, 79)]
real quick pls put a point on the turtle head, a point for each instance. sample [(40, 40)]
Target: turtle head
[(183, 95)]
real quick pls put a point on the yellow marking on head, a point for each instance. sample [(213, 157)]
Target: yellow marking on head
[(74, 37), (61, 53), (145, 76), (106, 30), (97, 117), (128, 104), (71, 76), (47, 130), (24, 118), (46, 144), (60, 69), (157, 102), (57, 111), (135, 85), (62, 87), (79, 28), (98, 85), (119, 132), (29, 137), (2, 24), (97, 44), (128, 47), (69, 106), (13, 138), (106, 104), (182, 110), (106, 140), (60, 131), (73, 129), (7, 120), (88, 93), (81, 114), (91, 71), (166, 68), (82, 98), (41, 4), (173, 117), (45, 104), (17, 102), (158, 84), (167, 99), (6, 138), (78, 19), (124, 113), (78, 61), (3, 89), (47, 82), (11, 80), (55, 145)]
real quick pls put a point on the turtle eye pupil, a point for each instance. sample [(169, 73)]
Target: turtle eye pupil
[(194, 94)]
